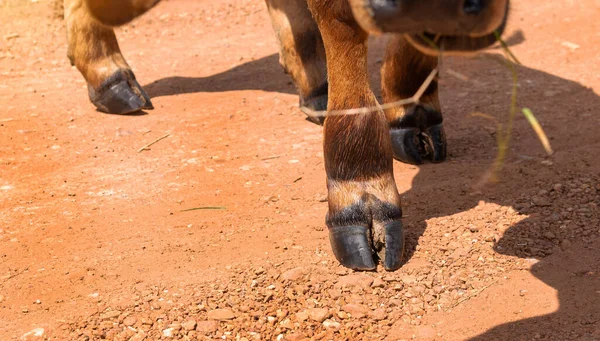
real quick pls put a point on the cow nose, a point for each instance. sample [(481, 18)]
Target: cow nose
[(473, 6)]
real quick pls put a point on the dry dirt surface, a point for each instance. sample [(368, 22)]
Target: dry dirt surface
[(97, 240)]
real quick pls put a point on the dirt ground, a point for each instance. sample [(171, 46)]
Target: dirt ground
[(96, 242)]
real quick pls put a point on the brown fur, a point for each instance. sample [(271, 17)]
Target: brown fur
[(93, 47), (302, 54), (403, 72)]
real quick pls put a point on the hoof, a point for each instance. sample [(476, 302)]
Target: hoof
[(419, 136), (392, 255), (351, 247), (361, 235), (435, 142), (120, 94), (406, 145)]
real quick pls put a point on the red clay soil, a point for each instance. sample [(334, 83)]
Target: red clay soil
[(96, 242)]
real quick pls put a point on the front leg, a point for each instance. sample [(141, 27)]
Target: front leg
[(94, 50), (416, 130), (364, 217)]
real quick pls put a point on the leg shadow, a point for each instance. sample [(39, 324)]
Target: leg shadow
[(261, 74), (558, 197)]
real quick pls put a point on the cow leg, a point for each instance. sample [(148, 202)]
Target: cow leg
[(416, 130), (364, 217), (94, 50), (302, 54)]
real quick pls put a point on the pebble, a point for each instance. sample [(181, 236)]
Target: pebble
[(355, 310), (110, 315), (318, 314), (168, 332), (331, 324), (378, 314), (221, 314), (378, 283), (355, 280), (189, 325), (129, 321), (207, 327), (293, 274)]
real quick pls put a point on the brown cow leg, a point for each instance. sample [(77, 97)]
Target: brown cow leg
[(93, 48), (302, 54), (364, 217), (118, 12), (416, 130)]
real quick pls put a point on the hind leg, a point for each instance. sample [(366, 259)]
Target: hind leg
[(416, 130), (94, 50), (302, 54)]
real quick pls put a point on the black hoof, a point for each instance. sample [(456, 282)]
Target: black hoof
[(394, 246), (406, 145), (418, 136), (351, 247), (120, 94), (435, 142)]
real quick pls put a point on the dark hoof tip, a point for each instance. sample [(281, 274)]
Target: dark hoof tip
[(435, 139), (120, 94), (394, 246), (118, 99), (406, 145), (351, 247)]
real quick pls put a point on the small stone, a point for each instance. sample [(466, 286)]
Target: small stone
[(293, 274), (295, 337), (207, 327), (355, 280), (168, 332), (408, 280), (331, 324), (378, 314), (129, 321), (473, 228), (221, 314), (549, 235), (36, 333), (356, 310), (541, 202), (565, 245), (302, 316), (189, 325), (1, 298), (522, 292), (377, 283), (318, 314), (110, 315)]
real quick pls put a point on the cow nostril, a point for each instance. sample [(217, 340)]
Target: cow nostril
[(473, 6)]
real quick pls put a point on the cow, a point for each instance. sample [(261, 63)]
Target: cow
[(323, 47)]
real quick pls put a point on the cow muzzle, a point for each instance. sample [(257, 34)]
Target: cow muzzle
[(453, 25)]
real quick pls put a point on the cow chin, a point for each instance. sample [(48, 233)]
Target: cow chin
[(433, 45), (453, 26)]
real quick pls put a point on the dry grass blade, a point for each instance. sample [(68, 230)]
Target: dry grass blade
[(538, 130), (205, 208), (153, 142), (475, 294), (367, 110)]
